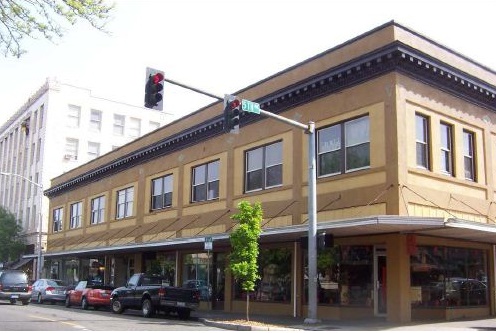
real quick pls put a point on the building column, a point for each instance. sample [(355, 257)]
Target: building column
[(398, 278)]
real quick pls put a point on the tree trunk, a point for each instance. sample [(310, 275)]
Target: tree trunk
[(248, 306)]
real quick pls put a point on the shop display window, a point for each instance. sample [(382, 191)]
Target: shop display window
[(274, 284), (345, 275), (448, 277)]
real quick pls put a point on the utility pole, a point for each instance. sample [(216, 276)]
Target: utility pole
[(309, 129)]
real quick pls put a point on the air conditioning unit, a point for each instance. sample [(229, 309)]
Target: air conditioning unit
[(70, 157)]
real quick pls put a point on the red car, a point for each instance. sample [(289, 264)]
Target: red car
[(87, 293)]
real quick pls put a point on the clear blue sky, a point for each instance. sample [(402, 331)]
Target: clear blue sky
[(223, 46)]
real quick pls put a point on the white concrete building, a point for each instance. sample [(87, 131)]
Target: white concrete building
[(60, 127)]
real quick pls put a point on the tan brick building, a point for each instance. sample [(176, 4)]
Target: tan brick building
[(406, 135)]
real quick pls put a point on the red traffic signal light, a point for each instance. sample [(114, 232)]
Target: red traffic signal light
[(232, 105), (153, 90)]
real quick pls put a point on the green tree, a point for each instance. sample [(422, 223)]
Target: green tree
[(35, 18), (243, 259), (11, 245)]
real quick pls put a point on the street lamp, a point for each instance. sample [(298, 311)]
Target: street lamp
[(40, 221)]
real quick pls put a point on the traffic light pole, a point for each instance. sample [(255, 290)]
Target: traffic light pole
[(312, 201)]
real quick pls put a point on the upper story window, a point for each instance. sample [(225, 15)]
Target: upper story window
[(76, 214), (119, 122), (344, 147), (98, 210), (205, 182), (73, 116), (134, 127), (422, 141), (446, 148), (125, 199), (57, 219), (71, 148), (263, 167), (469, 155), (42, 113), (162, 192), (93, 149), (96, 120), (153, 125)]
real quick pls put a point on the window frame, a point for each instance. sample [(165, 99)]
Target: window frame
[(76, 213), (469, 155), (342, 147), (127, 194), (208, 182), (97, 210), (264, 167), (446, 149), (423, 142), (165, 200), (57, 219)]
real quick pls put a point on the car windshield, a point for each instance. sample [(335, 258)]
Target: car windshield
[(15, 278), (56, 283)]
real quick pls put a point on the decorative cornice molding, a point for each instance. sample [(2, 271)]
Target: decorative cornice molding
[(393, 57)]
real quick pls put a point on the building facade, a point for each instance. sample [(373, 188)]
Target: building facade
[(58, 128), (405, 138)]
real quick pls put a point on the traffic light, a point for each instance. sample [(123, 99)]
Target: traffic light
[(154, 89), (232, 106)]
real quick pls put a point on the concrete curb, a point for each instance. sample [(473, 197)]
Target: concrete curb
[(239, 327)]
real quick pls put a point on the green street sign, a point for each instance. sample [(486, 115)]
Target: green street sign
[(249, 106)]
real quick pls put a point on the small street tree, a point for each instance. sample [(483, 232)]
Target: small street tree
[(243, 260), (11, 245)]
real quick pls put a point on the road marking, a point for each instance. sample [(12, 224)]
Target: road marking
[(62, 322)]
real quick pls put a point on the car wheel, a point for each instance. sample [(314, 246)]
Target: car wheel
[(84, 303), (116, 306), (183, 313), (147, 308), (40, 299), (25, 302), (13, 301), (67, 302)]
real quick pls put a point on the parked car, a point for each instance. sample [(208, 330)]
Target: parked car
[(87, 293), (205, 290), (150, 294), (14, 286), (49, 290), (460, 291)]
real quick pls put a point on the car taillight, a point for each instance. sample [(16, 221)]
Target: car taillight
[(196, 294), (161, 292), (30, 288), (1, 287), (50, 289)]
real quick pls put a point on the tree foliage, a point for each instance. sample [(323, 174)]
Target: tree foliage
[(11, 245), (243, 259), (35, 18)]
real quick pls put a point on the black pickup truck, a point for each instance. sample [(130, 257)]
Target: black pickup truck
[(148, 294)]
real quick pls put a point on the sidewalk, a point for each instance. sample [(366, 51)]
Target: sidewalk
[(228, 321)]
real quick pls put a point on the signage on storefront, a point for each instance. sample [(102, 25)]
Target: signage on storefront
[(208, 243)]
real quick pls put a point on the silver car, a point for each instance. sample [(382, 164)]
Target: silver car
[(49, 290)]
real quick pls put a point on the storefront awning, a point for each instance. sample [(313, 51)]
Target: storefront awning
[(383, 224)]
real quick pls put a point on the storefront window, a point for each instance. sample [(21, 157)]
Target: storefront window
[(448, 276), (274, 284), (196, 268), (345, 275), (165, 265)]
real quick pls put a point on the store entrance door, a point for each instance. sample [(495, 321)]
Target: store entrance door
[(380, 282)]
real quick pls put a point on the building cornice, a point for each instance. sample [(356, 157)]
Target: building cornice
[(395, 57)]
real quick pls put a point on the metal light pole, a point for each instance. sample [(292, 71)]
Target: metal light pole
[(40, 220)]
